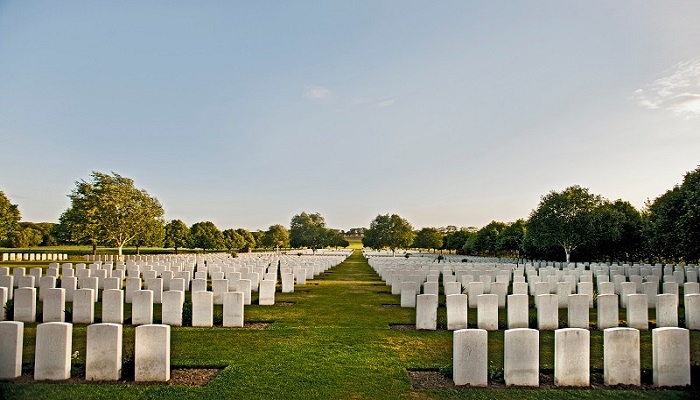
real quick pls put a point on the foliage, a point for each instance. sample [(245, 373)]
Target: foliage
[(109, 210), (248, 238), (564, 219), (9, 218), (428, 238), (276, 236), (618, 231), (233, 240), (334, 238), (308, 230), (486, 239), (177, 234), (25, 236), (206, 235), (511, 238), (457, 239), (389, 231), (672, 226), (152, 236)]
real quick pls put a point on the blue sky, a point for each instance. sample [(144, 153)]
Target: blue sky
[(446, 113)]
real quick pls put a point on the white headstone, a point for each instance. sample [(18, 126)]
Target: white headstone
[(203, 309), (621, 359), (113, 306), (152, 353), (54, 305), (521, 359), (572, 357), (142, 307), (233, 309), (470, 357), (25, 305), (547, 312), (52, 352), (456, 311), (518, 316), (487, 312), (671, 356), (608, 316), (12, 334), (172, 307), (426, 311), (103, 358)]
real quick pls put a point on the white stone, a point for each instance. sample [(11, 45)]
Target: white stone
[(7, 281), (408, 294), (113, 306), (572, 357), (52, 352), (152, 353), (456, 311), (287, 283), (172, 307), (637, 312), (25, 305), (578, 312), (219, 287), (520, 288), (54, 305), (487, 312), (450, 288), (83, 306), (244, 286), (233, 309), (199, 285), (501, 290), (156, 286), (692, 311), (426, 311), (203, 309), (518, 316), (667, 310), (475, 289), (547, 312), (608, 316), (563, 292), (470, 357), (45, 283), (267, 293), (521, 359), (12, 334), (103, 358), (177, 284), (142, 307), (132, 285), (70, 284), (621, 359), (3, 302), (671, 356)]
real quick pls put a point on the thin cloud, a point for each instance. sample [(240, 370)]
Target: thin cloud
[(316, 92), (678, 92), (385, 103)]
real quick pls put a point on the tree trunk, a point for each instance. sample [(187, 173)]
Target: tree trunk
[(138, 252), (176, 251), (94, 250), (121, 256)]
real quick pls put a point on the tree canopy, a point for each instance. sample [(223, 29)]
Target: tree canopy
[(308, 230), (389, 231), (206, 235), (232, 240), (9, 218), (177, 234), (564, 219), (428, 238), (276, 236), (109, 210)]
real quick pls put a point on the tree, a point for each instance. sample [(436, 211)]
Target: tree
[(456, 240), (389, 231), (276, 236), (334, 238), (248, 239), (619, 230), (9, 218), (511, 238), (26, 236), (109, 210), (258, 237), (152, 235), (206, 235), (233, 240), (564, 219), (486, 238), (177, 234), (428, 238), (308, 230)]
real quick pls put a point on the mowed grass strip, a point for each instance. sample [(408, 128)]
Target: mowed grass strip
[(335, 342)]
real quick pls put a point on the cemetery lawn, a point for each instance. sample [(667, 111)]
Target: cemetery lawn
[(334, 342)]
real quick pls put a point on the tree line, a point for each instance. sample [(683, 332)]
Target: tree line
[(573, 224)]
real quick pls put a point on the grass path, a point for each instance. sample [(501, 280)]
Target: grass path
[(335, 342)]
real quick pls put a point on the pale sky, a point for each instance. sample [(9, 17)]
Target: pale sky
[(446, 113)]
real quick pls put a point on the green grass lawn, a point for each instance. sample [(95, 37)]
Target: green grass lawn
[(335, 342)]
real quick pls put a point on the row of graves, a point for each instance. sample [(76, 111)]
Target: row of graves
[(208, 280), (34, 257), (485, 286)]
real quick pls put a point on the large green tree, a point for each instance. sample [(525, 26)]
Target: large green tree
[(233, 240), (177, 235), (109, 210), (206, 235), (276, 236), (308, 230), (486, 239), (458, 239), (619, 231), (248, 238), (428, 238), (564, 219), (511, 238), (9, 218), (152, 235), (389, 231)]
